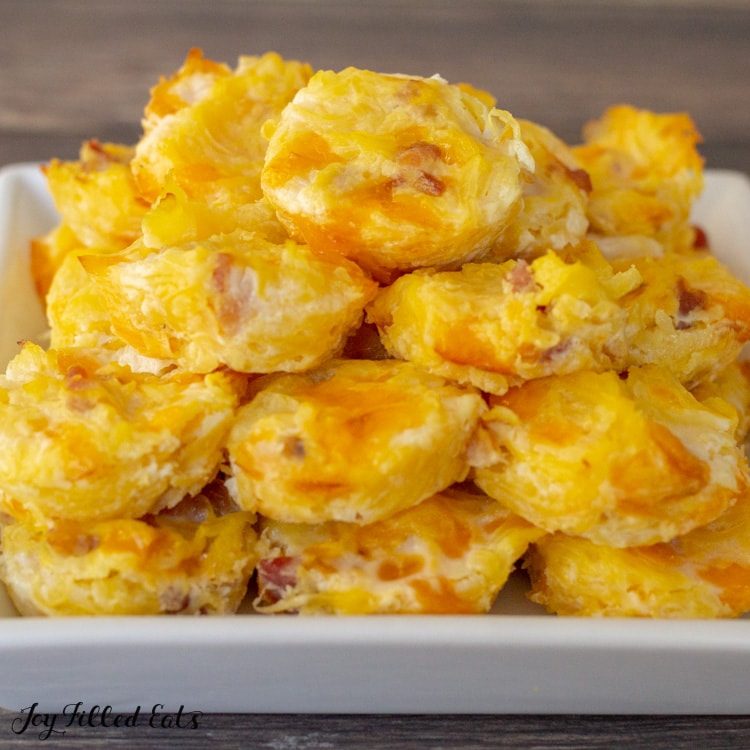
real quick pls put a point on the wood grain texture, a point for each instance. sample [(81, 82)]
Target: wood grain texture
[(72, 69), (336, 732)]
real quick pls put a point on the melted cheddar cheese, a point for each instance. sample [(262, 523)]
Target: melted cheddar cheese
[(353, 441), (451, 553)]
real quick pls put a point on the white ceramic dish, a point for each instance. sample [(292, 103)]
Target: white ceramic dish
[(516, 660)]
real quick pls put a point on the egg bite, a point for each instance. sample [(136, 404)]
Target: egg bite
[(497, 325), (732, 385), (690, 315), (96, 196), (176, 219), (99, 205), (85, 441), (47, 253), (193, 559), (645, 173), (233, 300), (450, 554), (187, 85), (354, 441), (79, 319), (202, 127), (554, 201), (622, 461), (705, 573), (395, 172)]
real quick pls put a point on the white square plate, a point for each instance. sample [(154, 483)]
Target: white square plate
[(516, 660)]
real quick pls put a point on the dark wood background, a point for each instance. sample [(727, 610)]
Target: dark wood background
[(74, 69)]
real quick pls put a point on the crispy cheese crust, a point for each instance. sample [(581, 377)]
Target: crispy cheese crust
[(193, 559), (452, 553), (321, 305), (203, 126), (353, 441), (705, 573), (84, 441), (622, 462), (645, 173), (395, 172), (498, 325), (690, 315), (237, 300), (553, 213)]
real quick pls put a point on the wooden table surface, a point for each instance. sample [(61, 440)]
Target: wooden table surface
[(71, 69)]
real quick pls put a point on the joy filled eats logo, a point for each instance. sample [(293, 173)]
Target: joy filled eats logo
[(77, 715)]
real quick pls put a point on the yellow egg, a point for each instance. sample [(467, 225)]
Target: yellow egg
[(732, 385), (450, 554), (690, 315), (192, 560), (83, 440), (97, 197), (78, 319), (234, 300), (99, 204), (497, 325), (395, 172), (203, 126), (47, 253), (353, 441), (705, 573), (553, 212), (620, 461), (645, 171)]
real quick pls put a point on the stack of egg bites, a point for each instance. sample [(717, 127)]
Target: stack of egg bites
[(365, 343)]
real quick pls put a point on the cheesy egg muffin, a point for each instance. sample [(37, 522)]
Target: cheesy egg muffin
[(354, 440), (193, 559), (732, 385), (554, 202), (622, 461), (186, 86), (236, 300), (395, 172), (79, 319), (645, 173), (497, 325), (705, 573), (690, 315), (99, 204), (84, 441), (47, 253), (202, 127), (96, 196), (176, 219), (450, 554)]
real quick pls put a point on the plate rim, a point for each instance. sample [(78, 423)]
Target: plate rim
[(56, 660)]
